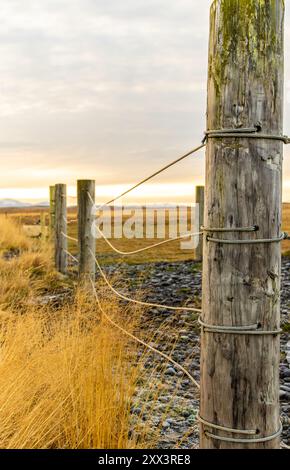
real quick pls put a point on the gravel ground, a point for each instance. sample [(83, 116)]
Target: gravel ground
[(166, 403)]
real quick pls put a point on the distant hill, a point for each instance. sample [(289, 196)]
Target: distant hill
[(10, 203), (13, 203)]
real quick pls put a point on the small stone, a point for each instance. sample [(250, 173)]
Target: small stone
[(285, 372), (166, 425), (170, 371)]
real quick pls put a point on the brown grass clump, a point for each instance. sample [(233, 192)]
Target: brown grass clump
[(66, 379), (63, 383), (12, 236)]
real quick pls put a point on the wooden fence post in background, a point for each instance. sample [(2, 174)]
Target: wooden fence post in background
[(60, 228), (52, 211), (241, 282), (199, 199), (86, 217)]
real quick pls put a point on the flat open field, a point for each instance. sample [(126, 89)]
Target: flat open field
[(170, 252)]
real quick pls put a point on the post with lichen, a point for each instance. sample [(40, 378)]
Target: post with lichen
[(60, 241), (241, 281), (87, 242), (51, 212)]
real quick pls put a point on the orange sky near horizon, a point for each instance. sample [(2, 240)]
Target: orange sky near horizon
[(107, 90)]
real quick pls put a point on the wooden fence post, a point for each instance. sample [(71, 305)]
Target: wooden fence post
[(199, 199), (86, 217), (60, 228), (241, 282), (52, 211)]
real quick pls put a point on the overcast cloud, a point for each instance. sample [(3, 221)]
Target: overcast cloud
[(104, 89)]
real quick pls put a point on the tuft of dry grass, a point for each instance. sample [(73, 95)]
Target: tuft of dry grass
[(66, 378), (64, 382), (12, 236)]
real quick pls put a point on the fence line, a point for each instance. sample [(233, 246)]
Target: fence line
[(145, 180), (69, 238), (146, 248), (130, 335), (71, 256), (139, 302)]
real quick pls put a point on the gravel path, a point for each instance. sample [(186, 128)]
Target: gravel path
[(166, 403)]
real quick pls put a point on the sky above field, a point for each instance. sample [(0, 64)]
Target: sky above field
[(107, 90)]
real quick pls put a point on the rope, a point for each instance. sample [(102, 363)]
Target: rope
[(139, 302), (222, 428), (282, 237), (69, 238), (247, 132), (138, 340), (237, 431), (150, 247), (68, 222), (254, 228), (238, 330), (246, 441), (153, 175), (71, 256)]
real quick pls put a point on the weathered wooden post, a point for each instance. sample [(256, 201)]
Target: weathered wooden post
[(86, 217), (52, 211), (241, 281), (60, 228), (199, 199)]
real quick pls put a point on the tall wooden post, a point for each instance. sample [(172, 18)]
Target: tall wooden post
[(199, 199), (87, 242), (52, 211), (241, 282), (60, 228)]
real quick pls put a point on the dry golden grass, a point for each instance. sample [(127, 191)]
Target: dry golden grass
[(62, 383), (66, 379), (12, 236)]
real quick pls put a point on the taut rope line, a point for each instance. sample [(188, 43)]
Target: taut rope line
[(139, 302), (130, 335)]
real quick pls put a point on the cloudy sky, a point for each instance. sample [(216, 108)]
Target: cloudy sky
[(105, 89)]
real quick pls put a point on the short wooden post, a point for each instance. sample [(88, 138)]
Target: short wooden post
[(241, 282), (86, 216), (52, 212), (199, 199), (60, 228)]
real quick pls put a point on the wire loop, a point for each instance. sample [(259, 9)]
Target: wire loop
[(246, 132), (283, 236), (255, 440), (237, 330)]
